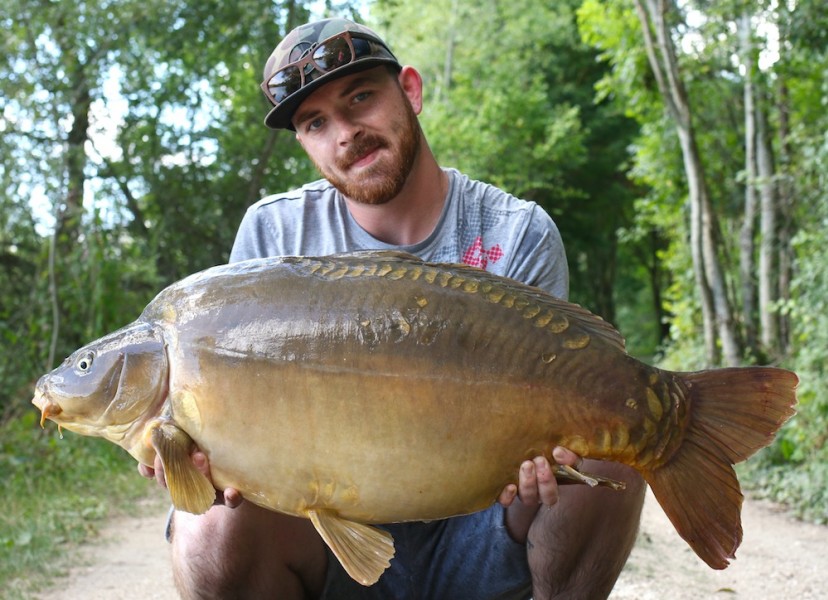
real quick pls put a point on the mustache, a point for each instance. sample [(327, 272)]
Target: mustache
[(360, 148)]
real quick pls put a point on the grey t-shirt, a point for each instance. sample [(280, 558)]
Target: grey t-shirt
[(481, 226)]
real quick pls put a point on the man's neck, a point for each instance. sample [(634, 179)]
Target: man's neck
[(413, 214)]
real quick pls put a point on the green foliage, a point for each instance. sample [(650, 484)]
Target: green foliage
[(793, 94), (489, 110), (57, 493), (20, 330), (195, 111), (509, 100), (795, 469), (104, 282), (169, 167)]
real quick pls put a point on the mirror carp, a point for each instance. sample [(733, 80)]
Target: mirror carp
[(308, 381)]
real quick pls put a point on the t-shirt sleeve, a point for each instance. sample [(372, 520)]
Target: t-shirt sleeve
[(255, 237), (540, 258)]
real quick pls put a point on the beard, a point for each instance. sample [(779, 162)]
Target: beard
[(383, 181)]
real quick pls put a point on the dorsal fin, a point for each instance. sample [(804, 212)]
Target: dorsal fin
[(379, 255), (575, 314)]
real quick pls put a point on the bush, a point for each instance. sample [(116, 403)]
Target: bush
[(56, 494)]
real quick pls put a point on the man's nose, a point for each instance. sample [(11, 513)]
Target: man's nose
[(348, 131)]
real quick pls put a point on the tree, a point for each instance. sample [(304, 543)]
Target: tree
[(521, 114), (137, 129), (716, 309), (728, 114), (747, 246)]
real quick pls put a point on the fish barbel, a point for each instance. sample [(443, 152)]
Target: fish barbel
[(308, 381)]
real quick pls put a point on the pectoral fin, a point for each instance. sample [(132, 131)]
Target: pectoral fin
[(190, 490), (364, 551)]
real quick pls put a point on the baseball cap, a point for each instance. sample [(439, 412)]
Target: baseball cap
[(311, 56)]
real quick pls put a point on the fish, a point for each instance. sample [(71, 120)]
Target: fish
[(308, 381)]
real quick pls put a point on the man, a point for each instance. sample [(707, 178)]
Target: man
[(354, 110)]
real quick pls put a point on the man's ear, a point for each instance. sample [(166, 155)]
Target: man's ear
[(412, 86)]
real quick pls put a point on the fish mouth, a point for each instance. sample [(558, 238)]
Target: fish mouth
[(48, 409)]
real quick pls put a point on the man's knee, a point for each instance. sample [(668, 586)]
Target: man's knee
[(246, 552), (205, 564)]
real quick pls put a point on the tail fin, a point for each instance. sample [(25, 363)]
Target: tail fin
[(733, 413)]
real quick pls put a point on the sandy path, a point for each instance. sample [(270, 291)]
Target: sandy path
[(780, 558), (129, 560)]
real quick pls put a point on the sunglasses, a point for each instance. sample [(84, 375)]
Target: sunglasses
[(326, 56)]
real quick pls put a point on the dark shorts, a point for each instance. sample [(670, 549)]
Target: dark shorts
[(470, 557)]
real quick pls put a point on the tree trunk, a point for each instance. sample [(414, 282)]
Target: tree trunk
[(716, 308), (768, 286), (786, 203), (747, 247), (653, 266), (451, 43), (70, 211)]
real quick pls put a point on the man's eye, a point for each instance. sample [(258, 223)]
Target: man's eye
[(315, 124), (362, 96)]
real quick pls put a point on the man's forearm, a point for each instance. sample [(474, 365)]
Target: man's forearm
[(577, 548)]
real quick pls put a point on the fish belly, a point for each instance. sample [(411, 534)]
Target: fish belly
[(377, 448)]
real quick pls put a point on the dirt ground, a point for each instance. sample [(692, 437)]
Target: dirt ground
[(780, 558)]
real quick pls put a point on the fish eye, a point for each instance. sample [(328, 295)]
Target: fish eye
[(84, 362)]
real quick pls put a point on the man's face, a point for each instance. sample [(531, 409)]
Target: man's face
[(362, 134)]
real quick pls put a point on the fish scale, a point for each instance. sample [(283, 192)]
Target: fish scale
[(308, 381)]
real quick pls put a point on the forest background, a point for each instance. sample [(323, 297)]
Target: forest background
[(680, 146)]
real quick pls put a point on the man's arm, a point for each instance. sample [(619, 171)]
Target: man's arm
[(578, 547)]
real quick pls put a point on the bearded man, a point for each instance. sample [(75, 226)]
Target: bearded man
[(354, 109)]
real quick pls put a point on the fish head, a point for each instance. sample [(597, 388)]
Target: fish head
[(108, 387)]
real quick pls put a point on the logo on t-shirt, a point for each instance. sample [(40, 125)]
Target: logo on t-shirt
[(478, 256)]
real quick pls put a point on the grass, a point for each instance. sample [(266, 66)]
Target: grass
[(57, 494), (801, 486)]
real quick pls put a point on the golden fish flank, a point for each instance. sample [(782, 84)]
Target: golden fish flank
[(308, 380)]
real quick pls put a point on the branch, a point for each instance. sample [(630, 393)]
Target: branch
[(649, 48), (53, 298), (668, 52), (132, 203), (655, 64)]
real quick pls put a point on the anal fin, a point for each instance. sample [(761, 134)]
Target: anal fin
[(365, 552), (190, 490)]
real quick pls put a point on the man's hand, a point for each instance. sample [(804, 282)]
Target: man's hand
[(230, 498), (536, 486)]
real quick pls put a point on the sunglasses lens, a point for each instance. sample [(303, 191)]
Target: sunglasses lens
[(284, 83), (332, 55), (362, 47)]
